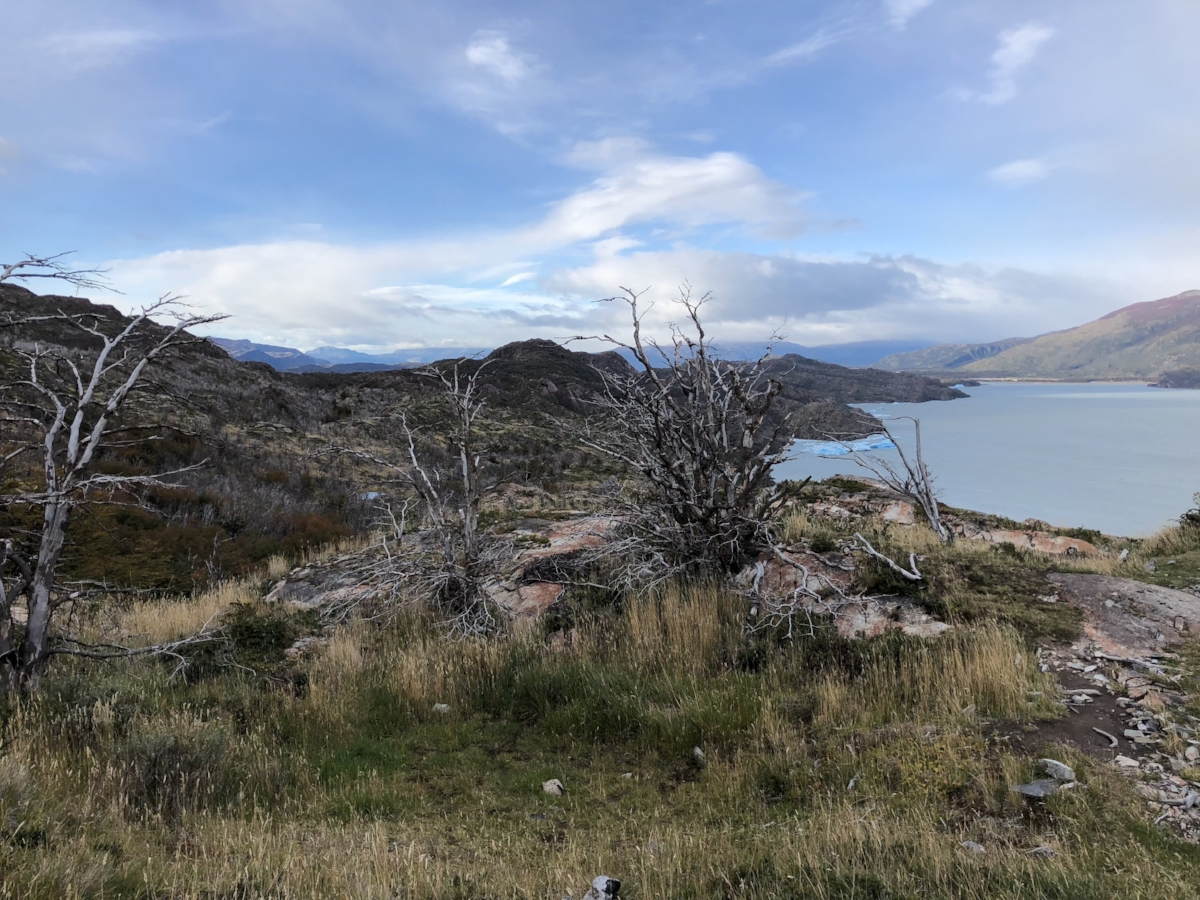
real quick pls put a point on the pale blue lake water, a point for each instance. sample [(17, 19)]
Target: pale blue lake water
[(1121, 458)]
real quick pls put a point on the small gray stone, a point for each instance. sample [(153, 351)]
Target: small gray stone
[(442, 708), (1057, 770), (974, 847), (1192, 753), (1043, 852), (554, 786), (1039, 789)]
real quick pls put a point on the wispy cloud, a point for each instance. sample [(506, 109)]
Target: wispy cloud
[(491, 79), (1017, 48), (900, 11), (491, 52), (1019, 172), (80, 50), (807, 49)]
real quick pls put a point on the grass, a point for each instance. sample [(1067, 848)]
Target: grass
[(831, 769)]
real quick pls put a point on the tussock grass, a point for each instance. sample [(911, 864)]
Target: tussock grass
[(158, 621), (831, 770)]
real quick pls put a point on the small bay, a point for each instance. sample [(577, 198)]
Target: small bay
[(1122, 458)]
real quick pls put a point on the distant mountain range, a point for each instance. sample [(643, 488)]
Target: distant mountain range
[(1142, 341), (339, 359)]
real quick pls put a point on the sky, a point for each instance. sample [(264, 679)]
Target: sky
[(376, 175)]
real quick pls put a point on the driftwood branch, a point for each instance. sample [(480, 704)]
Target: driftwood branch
[(911, 573)]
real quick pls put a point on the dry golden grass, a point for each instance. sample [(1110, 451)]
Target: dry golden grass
[(158, 621), (675, 629), (824, 778)]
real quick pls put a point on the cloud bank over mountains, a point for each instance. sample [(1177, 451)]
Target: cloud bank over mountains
[(377, 174)]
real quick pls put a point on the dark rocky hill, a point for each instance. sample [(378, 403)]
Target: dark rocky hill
[(267, 488)]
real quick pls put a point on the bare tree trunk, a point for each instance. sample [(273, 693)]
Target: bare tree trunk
[(35, 653), (67, 408)]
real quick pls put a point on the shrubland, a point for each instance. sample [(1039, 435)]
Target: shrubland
[(827, 768), (290, 756)]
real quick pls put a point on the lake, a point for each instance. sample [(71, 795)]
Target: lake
[(1121, 458)]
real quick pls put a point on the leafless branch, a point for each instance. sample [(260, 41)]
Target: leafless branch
[(53, 267)]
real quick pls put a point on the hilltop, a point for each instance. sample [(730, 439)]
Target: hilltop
[(1140, 341), (265, 491)]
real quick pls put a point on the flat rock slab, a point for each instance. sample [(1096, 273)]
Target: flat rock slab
[(317, 586), (1130, 618)]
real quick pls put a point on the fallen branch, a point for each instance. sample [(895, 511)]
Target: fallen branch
[(914, 575)]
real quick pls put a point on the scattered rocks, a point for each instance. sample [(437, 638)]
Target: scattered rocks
[(554, 787)]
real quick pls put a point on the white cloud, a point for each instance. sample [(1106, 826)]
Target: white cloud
[(79, 50), (685, 191), (490, 79), (607, 153), (815, 301), (900, 11), (518, 278), (315, 292), (491, 52), (1019, 172), (805, 50), (1017, 48)]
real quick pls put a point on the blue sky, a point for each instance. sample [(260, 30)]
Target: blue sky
[(382, 174)]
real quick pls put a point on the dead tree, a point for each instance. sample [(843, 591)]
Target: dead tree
[(914, 483), (53, 268), (447, 565), (699, 432), (65, 408)]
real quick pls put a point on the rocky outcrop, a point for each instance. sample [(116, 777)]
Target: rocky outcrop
[(849, 507), (1130, 618), (552, 556)]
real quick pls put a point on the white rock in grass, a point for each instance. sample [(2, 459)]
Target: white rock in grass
[(442, 708), (1057, 770), (554, 786)]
